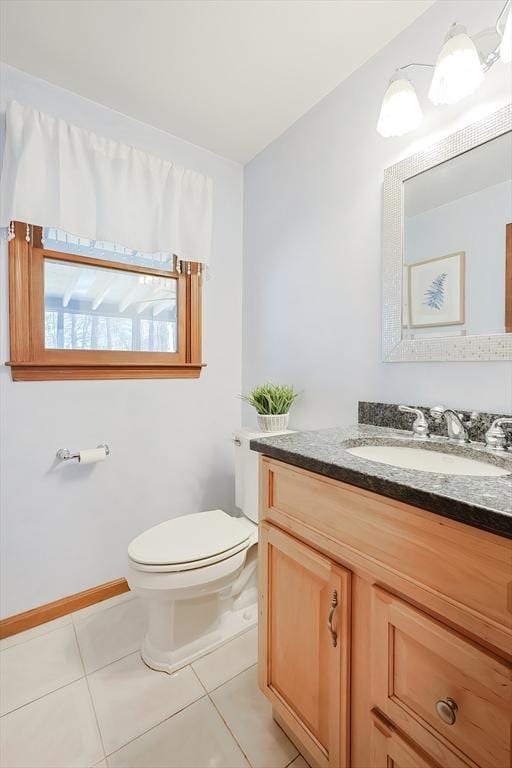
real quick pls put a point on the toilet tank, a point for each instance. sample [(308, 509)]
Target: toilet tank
[(246, 472)]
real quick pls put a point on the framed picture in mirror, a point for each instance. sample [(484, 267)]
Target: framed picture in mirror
[(436, 291)]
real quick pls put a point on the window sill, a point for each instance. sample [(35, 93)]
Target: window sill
[(52, 372)]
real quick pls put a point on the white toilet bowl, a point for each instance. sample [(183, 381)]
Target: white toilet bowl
[(197, 576)]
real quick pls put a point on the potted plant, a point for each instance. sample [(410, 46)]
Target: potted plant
[(272, 403)]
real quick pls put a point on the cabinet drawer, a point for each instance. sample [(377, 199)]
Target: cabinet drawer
[(390, 750), (431, 681)]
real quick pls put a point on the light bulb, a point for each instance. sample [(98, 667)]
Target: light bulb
[(506, 40), (458, 71), (400, 111)]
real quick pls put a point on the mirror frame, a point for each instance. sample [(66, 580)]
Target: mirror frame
[(497, 346)]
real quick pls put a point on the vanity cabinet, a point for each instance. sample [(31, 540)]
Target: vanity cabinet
[(304, 640), (420, 674)]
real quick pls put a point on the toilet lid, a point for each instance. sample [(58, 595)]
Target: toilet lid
[(189, 538)]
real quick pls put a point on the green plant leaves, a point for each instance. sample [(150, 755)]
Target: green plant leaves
[(271, 399)]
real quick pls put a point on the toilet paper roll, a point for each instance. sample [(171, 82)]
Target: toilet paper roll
[(92, 455)]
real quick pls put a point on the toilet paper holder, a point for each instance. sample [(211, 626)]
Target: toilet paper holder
[(64, 454)]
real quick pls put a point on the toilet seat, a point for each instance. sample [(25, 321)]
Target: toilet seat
[(190, 542)]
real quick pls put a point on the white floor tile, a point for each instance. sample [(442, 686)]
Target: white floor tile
[(104, 605), (299, 762), (249, 717), (29, 634), (102, 764), (37, 667), (129, 698), (194, 738), (228, 661), (57, 731), (107, 635)]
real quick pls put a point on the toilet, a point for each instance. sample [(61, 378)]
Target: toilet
[(197, 573)]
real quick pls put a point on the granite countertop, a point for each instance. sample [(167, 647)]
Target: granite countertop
[(483, 502)]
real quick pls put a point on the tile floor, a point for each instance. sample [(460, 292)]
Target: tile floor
[(74, 693)]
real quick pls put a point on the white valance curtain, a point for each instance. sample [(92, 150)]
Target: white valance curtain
[(57, 175)]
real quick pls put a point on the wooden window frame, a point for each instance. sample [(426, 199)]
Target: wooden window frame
[(31, 361)]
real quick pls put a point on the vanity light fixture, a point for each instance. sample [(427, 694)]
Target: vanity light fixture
[(459, 70), (400, 111)]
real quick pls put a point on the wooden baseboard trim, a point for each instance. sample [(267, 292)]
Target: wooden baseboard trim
[(43, 613)]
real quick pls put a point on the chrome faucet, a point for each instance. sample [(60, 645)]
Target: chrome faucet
[(495, 437), (420, 429), (455, 422)]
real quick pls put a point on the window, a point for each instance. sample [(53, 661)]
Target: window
[(95, 308), (81, 309)]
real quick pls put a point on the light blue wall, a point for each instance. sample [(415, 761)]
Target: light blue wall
[(312, 242), (65, 527)]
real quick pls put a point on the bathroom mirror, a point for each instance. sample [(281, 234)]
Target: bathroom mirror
[(447, 271)]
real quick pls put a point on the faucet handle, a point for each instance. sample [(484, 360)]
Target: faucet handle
[(420, 426), (495, 437)]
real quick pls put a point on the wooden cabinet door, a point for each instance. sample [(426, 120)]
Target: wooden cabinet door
[(305, 643)]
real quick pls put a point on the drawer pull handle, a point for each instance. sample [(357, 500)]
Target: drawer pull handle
[(334, 634), (447, 710)]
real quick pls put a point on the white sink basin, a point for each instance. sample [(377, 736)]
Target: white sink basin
[(427, 461)]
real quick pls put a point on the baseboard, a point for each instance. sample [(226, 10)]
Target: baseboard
[(28, 619)]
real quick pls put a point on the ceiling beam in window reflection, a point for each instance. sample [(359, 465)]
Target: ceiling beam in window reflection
[(71, 285), (107, 286), (162, 306), (130, 297)]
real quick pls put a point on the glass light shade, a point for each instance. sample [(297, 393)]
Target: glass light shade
[(506, 41), (458, 71), (400, 111)]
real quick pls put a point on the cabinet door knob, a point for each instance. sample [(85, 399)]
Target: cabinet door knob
[(447, 710), (334, 603)]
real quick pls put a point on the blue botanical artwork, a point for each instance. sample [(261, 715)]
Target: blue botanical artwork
[(434, 296), (435, 291)]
